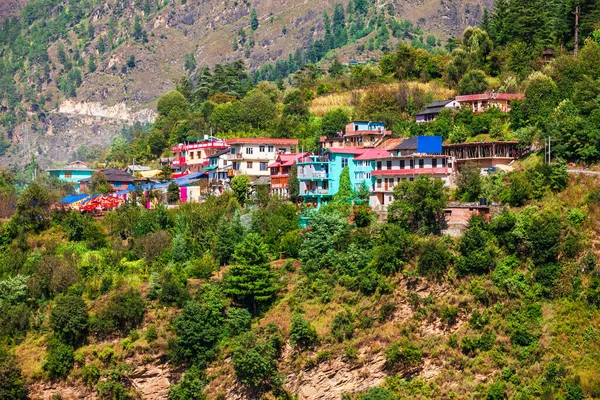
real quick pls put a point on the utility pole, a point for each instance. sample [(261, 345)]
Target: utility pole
[(549, 150), (576, 50)]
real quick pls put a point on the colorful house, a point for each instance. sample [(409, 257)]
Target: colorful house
[(118, 180), (358, 134), (252, 156), (480, 102), (73, 172), (218, 171), (193, 155), (280, 171), (319, 176), (415, 156)]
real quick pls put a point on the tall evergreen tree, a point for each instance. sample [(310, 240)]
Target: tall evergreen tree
[(253, 19)]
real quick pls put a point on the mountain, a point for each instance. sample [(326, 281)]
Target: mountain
[(76, 71)]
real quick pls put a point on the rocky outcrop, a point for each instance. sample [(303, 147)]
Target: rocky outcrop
[(117, 112), (332, 379), (151, 381)]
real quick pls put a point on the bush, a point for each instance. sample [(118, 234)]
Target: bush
[(124, 311), (434, 258), (12, 386), (342, 327), (239, 320), (59, 359), (202, 268), (377, 394), (90, 374), (496, 392), (191, 386), (173, 289), (69, 319), (403, 356), (254, 357), (449, 315), (302, 333)]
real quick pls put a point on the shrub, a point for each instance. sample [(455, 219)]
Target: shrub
[(124, 311), (59, 359), (202, 268), (484, 342), (386, 311), (342, 327), (478, 320), (377, 394), (434, 258), (290, 244), (151, 333), (496, 392), (254, 358), (449, 314), (302, 333), (11, 381), (404, 356), (69, 319), (191, 386), (173, 290), (239, 320), (90, 374)]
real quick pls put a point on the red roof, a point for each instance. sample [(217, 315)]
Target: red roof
[(373, 154), (347, 150), (288, 159), (365, 133), (486, 96), (281, 142)]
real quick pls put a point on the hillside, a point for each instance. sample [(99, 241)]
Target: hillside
[(69, 103)]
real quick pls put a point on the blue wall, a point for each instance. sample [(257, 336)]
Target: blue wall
[(429, 144)]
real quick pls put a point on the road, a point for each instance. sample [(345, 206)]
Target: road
[(583, 171)]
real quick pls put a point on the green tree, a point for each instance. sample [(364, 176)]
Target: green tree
[(33, 207), (469, 182), (333, 122), (434, 258), (59, 359), (240, 184), (473, 82), (69, 319), (419, 205), (12, 386), (250, 280), (199, 328), (92, 63), (345, 192), (173, 193), (293, 184), (253, 19), (99, 183), (254, 357), (302, 333)]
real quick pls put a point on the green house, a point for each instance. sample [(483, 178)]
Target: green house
[(73, 172)]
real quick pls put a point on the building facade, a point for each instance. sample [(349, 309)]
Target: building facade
[(73, 173), (193, 156), (480, 102), (432, 110), (280, 172), (252, 156), (118, 180), (358, 134)]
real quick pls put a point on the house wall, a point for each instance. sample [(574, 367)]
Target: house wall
[(260, 156)]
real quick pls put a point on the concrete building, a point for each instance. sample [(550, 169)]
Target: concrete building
[(432, 110), (480, 102), (252, 156), (280, 171), (73, 173), (358, 134), (193, 155)]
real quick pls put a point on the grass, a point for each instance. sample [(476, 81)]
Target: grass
[(349, 99)]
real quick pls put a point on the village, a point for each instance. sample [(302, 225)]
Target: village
[(376, 161)]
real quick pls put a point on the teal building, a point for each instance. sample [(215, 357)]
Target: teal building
[(73, 172)]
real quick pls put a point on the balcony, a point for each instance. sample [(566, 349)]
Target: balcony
[(315, 192), (314, 175), (412, 171)]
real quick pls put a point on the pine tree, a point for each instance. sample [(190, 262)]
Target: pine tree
[(345, 192), (101, 46), (340, 34), (253, 19), (92, 63), (250, 281), (499, 22)]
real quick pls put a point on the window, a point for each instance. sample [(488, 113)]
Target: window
[(388, 164), (378, 165), (249, 150), (249, 165), (68, 175), (443, 162), (412, 164), (421, 163), (232, 150), (379, 183), (344, 162), (434, 163), (368, 175), (116, 185), (236, 166), (402, 164), (261, 148), (271, 149), (263, 166)]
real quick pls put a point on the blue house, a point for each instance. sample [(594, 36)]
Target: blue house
[(73, 172), (319, 176)]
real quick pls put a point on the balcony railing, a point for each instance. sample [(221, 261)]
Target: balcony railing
[(314, 175), (314, 192), (412, 171)]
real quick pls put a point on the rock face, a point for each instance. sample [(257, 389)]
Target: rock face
[(151, 381), (95, 109), (331, 380)]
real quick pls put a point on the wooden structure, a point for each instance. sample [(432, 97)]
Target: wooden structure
[(484, 154)]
